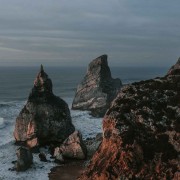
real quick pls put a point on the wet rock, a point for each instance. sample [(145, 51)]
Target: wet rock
[(141, 133), (42, 157), (45, 118), (73, 147), (24, 159), (97, 89), (58, 156), (93, 144)]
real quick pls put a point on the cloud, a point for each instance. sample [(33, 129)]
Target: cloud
[(61, 32)]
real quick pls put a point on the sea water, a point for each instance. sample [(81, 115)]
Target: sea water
[(15, 85)]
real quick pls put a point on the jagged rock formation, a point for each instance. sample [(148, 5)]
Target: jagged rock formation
[(97, 89), (73, 147), (45, 118), (175, 69), (24, 159), (141, 133)]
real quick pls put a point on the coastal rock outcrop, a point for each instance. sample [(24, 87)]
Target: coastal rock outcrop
[(73, 147), (175, 69), (45, 118), (24, 159), (141, 133), (97, 89)]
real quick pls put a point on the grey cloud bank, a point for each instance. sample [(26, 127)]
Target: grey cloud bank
[(62, 33)]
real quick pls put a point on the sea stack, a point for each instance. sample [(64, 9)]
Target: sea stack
[(175, 69), (45, 118), (97, 89), (141, 133)]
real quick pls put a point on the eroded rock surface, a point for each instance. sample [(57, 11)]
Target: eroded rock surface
[(141, 133), (73, 147), (97, 89), (24, 159), (45, 118)]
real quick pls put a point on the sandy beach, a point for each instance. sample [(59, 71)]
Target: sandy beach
[(70, 170)]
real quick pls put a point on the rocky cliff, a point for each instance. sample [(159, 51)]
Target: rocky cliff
[(97, 89), (45, 118), (175, 69), (141, 133)]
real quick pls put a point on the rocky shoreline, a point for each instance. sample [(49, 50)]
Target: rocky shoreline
[(141, 132), (72, 169), (140, 140)]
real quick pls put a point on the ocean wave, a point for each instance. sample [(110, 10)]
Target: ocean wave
[(10, 104), (4, 105), (2, 123), (10, 110), (89, 126)]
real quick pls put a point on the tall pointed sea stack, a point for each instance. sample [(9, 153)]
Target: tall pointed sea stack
[(97, 89), (175, 69), (45, 118), (141, 133)]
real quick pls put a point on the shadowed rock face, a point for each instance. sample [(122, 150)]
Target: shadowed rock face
[(141, 133), (45, 118), (24, 159), (97, 89)]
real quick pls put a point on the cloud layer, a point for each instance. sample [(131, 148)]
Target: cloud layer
[(66, 33)]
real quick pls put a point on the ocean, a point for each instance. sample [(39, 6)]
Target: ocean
[(15, 86)]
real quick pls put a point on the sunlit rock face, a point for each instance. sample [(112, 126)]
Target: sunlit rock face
[(141, 133), (73, 147), (45, 118), (175, 70), (97, 89)]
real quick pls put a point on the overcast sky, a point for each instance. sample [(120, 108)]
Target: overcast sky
[(73, 32)]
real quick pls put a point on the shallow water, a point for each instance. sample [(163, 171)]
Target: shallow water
[(67, 172)]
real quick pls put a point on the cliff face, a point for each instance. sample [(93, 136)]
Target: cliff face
[(175, 69), (97, 89), (45, 118), (141, 133)]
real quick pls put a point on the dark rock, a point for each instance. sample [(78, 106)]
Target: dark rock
[(24, 159), (45, 118), (73, 147), (59, 156), (42, 157), (141, 133), (97, 89), (99, 137)]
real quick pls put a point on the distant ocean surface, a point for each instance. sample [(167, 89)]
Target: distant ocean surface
[(15, 86)]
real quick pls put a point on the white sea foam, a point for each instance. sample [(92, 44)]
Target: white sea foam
[(8, 115), (2, 124), (38, 171), (85, 123), (89, 126)]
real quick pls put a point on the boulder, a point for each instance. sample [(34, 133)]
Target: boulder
[(45, 118), (42, 157), (73, 147), (24, 159), (141, 133), (97, 89), (58, 156)]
